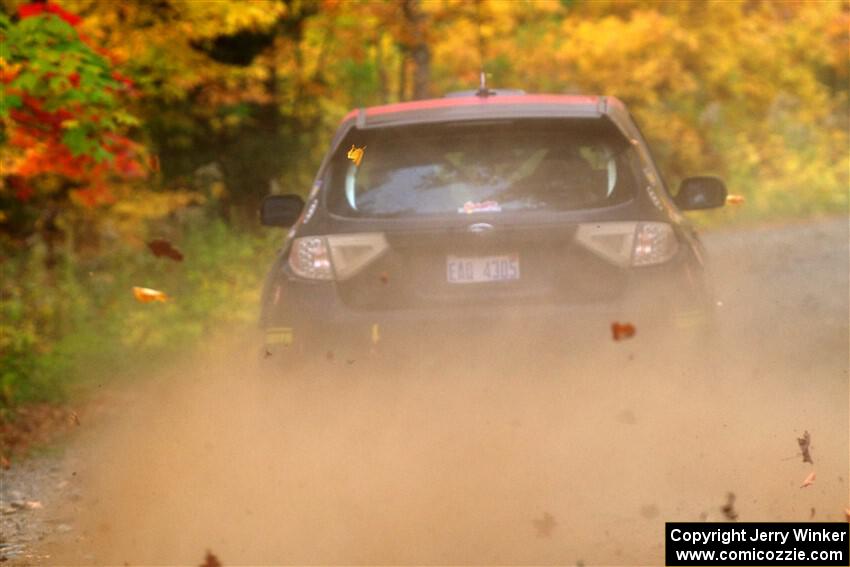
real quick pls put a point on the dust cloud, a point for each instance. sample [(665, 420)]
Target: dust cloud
[(526, 450)]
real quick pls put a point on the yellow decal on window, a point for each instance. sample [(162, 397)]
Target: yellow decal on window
[(355, 154)]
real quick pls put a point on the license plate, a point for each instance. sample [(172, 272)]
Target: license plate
[(482, 269)]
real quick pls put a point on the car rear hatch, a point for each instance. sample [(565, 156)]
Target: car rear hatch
[(483, 213), (483, 263)]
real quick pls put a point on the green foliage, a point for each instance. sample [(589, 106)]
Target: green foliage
[(49, 62), (87, 327)]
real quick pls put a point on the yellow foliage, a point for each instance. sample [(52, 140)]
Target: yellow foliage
[(756, 91), (210, 19)]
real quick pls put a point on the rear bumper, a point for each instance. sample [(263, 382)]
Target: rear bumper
[(310, 317)]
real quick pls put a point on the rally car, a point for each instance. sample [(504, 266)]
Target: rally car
[(478, 210)]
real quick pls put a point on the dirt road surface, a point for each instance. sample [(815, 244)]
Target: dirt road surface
[(533, 453)]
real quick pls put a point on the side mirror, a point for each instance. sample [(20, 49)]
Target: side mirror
[(281, 210), (701, 193)]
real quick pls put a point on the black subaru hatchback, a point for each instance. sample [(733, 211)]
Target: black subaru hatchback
[(479, 210)]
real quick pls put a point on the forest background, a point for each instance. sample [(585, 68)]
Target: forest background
[(125, 121)]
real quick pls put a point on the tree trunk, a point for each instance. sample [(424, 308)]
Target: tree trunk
[(420, 54), (402, 75), (382, 71)]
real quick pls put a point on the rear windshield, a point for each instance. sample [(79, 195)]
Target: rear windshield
[(481, 167)]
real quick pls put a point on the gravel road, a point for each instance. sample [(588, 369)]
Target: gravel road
[(543, 457)]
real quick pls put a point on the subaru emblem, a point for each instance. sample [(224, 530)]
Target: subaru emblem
[(480, 227)]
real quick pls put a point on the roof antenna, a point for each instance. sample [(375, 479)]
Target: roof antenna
[(482, 86)]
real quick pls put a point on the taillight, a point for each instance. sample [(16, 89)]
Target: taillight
[(655, 243), (309, 258), (629, 243), (338, 256)]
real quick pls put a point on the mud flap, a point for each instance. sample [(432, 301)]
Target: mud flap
[(278, 339)]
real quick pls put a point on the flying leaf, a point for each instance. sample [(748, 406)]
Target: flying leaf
[(622, 331), (210, 560), (161, 247), (735, 199), (729, 508), (355, 154), (146, 295), (810, 480), (545, 525), (805, 443)]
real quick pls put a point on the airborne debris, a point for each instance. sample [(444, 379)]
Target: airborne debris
[(384, 277), (161, 247), (545, 525), (622, 331), (355, 154), (805, 442), (627, 417), (649, 511), (146, 295), (810, 480), (729, 508), (74, 418), (210, 560), (735, 199)]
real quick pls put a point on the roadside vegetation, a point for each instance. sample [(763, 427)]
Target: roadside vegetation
[(126, 122)]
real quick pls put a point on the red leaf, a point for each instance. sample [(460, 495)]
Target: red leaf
[(123, 79), (24, 193), (93, 196), (29, 10), (72, 19), (161, 247), (622, 331), (37, 9)]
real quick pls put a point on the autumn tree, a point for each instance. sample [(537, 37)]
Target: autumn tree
[(63, 123)]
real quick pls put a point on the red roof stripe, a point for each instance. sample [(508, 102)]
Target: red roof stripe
[(474, 101)]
